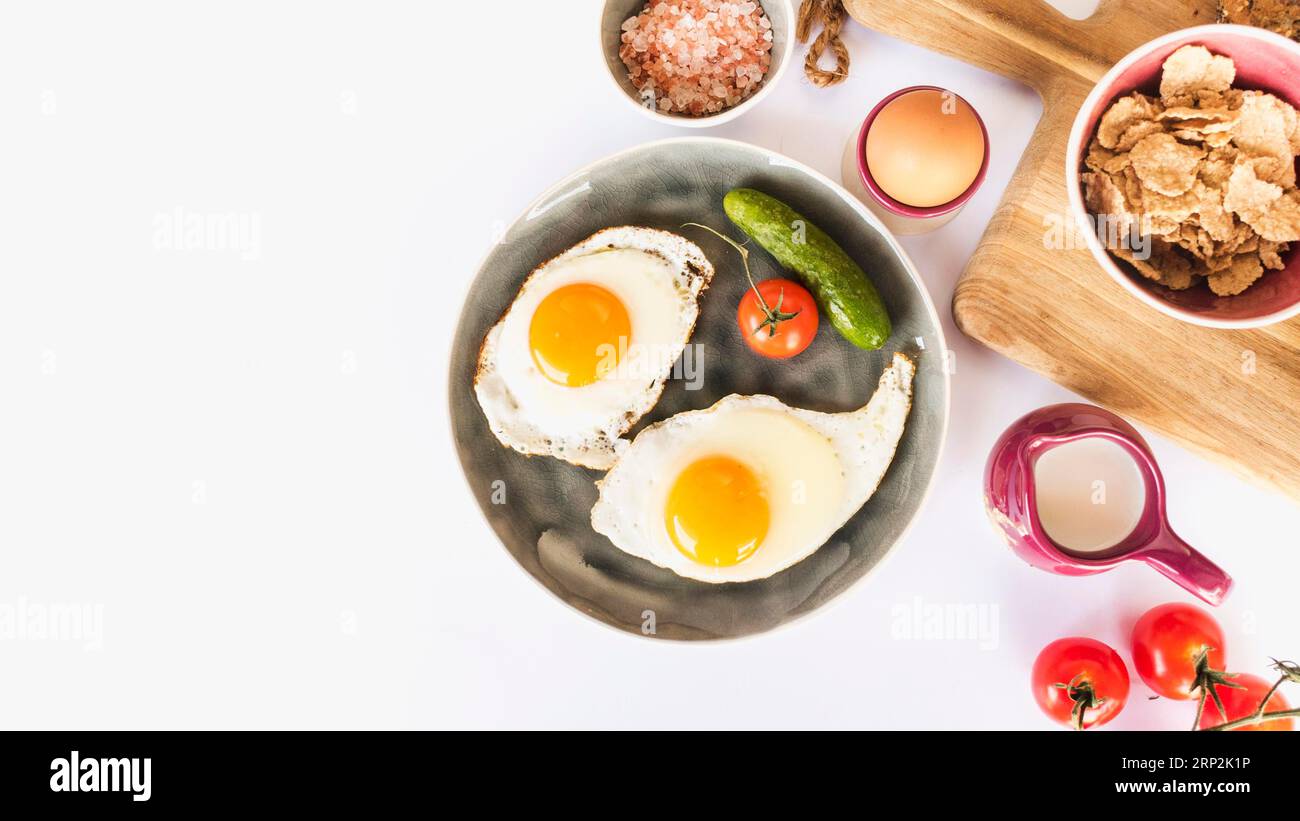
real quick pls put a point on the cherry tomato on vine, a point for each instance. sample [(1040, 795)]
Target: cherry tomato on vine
[(777, 318), (1239, 703), (1170, 642), (1080, 682)]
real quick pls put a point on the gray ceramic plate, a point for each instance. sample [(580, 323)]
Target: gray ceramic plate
[(543, 519)]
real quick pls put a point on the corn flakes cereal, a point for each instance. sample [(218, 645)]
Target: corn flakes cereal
[(1240, 275), (1246, 192), (1217, 168), (1214, 219), (1104, 196), (1104, 160), (1126, 112), (1204, 120), (1165, 265), (1206, 172), (1279, 221), (1268, 254), (1193, 68), (1165, 165)]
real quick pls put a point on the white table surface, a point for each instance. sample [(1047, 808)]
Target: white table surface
[(241, 472)]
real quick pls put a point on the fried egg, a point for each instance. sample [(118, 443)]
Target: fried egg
[(750, 486), (585, 348)]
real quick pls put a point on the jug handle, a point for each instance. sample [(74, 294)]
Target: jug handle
[(1185, 566)]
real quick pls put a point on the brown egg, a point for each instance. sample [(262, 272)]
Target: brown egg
[(925, 148)]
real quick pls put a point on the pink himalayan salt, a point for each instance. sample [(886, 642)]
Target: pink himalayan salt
[(697, 56)]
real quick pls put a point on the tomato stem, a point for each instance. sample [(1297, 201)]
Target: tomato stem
[(774, 316), (1290, 672), (1208, 681), (1084, 697), (1257, 718), (1200, 711)]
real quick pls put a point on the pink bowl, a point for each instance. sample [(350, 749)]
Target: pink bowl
[(900, 208), (1266, 62)]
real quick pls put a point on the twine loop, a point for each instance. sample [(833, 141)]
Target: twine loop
[(830, 14)]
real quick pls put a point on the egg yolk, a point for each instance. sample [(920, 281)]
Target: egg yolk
[(578, 334), (717, 513)]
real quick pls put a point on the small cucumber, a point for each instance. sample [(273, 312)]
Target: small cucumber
[(841, 288)]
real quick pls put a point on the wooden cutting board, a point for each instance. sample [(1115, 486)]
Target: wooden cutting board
[(1233, 396)]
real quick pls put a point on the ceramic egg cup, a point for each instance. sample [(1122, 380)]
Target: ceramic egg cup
[(900, 217)]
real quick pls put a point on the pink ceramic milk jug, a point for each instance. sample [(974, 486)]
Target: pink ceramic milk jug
[(1011, 497)]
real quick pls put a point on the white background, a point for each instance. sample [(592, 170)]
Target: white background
[(245, 467)]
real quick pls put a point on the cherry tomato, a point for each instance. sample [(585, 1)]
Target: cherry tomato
[(1241, 703), (1080, 682), (1167, 642), (777, 318)]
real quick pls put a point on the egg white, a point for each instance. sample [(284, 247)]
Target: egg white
[(818, 469), (658, 276)]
